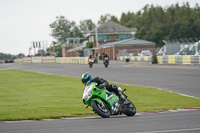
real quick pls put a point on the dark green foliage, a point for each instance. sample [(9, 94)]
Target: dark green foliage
[(107, 17), (89, 45), (55, 48), (62, 29), (86, 26), (155, 23), (5, 56)]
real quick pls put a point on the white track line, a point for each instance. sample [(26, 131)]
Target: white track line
[(170, 131)]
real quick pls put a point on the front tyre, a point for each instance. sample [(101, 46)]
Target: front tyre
[(130, 110), (106, 64), (101, 110)]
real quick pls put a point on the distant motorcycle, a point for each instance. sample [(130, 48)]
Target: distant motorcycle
[(106, 103), (90, 62), (106, 61)]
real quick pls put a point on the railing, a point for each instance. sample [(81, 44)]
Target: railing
[(72, 60), (178, 59), (135, 58), (52, 59)]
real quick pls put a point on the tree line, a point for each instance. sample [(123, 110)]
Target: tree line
[(155, 23), (4, 56)]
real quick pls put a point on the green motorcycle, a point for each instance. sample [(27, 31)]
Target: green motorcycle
[(106, 103)]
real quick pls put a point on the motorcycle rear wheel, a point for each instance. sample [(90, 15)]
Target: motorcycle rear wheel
[(101, 110), (106, 65)]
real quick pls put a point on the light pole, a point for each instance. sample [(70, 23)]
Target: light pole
[(96, 34)]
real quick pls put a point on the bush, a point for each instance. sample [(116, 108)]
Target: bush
[(89, 45), (154, 59)]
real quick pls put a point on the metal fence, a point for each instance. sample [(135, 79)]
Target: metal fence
[(174, 46), (133, 52)]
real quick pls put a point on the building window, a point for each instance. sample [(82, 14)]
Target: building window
[(123, 36), (103, 37)]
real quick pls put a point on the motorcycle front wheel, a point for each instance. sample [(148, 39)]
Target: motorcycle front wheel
[(130, 110), (101, 110)]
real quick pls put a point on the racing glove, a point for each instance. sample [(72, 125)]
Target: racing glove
[(101, 86)]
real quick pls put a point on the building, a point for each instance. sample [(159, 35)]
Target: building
[(72, 48), (75, 51), (111, 39), (131, 45), (110, 32)]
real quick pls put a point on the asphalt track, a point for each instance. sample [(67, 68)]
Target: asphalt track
[(180, 79), (173, 122)]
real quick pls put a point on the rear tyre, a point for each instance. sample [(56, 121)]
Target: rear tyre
[(101, 110), (106, 65), (130, 110)]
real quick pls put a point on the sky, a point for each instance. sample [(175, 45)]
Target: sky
[(25, 21)]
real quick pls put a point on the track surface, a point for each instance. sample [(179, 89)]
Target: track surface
[(175, 78), (179, 79), (164, 122)]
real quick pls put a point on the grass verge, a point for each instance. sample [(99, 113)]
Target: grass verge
[(34, 96)]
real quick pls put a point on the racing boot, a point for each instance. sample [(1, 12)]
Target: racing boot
[(117, 90)]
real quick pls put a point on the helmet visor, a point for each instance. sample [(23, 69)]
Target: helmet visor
[(85, 80)]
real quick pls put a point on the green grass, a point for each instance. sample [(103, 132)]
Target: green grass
[(33, 96)]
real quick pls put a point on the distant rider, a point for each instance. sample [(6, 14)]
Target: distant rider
[(101, 83), (90, 59), (105, 56)]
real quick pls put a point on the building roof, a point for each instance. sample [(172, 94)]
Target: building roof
[(126, 42), (78, 48), (112, 27)]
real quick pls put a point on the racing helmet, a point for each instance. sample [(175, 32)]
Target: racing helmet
[(86, 78)]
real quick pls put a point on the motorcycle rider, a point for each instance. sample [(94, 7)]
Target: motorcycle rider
[(90, 58), (87, 79), (104, 56), (90, 61)]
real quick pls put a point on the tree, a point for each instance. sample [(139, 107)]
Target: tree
[(103, 19), (107, 17), (158, 23), (5, 56), (127, 19), (20, 55), (86, 26), (114, 19), (62, 29)]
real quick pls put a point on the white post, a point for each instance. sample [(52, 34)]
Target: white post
[(96, 36)]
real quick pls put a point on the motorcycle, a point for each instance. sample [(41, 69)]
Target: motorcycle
[(106, 103), (90, 62), (106, 61)]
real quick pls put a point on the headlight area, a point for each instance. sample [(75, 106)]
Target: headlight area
[(88, 96)]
